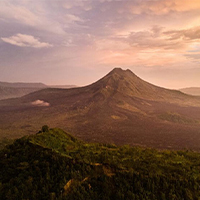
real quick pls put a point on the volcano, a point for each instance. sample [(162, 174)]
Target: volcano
[(120, 108)]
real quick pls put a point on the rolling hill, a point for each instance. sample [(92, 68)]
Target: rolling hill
[(52, 164), (120, 108)]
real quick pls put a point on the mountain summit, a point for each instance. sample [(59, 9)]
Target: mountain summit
[(119, 108), (127, 83)]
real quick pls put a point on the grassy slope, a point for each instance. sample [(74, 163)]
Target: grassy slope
[(54, 164)]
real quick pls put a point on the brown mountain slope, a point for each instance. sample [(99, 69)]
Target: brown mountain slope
[(127, 83), (119, 108)]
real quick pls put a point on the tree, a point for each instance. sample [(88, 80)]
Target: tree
[(45, 128)]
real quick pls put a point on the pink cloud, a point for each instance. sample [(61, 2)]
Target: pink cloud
[(23, 40)]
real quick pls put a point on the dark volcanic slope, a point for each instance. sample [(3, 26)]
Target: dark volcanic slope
[(120, 108)]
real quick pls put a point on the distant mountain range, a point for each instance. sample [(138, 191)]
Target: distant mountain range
[(19, 89), (120, 108), (13, 90), (191, 91), (22, 85), (62, 86)]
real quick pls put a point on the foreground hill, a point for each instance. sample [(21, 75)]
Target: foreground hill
[(192, 91), (13, 90), (120, 108), (54, 165)]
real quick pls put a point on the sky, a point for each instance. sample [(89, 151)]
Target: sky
[(78, 42)]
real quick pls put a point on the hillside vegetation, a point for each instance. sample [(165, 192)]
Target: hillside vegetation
[(54, 165)]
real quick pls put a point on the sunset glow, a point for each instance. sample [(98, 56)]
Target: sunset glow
[(78, 42)]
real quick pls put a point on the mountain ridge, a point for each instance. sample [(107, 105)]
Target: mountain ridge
[(19, 89), (22, 85), (119, 108), (126, 82)]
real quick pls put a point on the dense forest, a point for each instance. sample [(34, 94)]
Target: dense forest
[(53, 165)]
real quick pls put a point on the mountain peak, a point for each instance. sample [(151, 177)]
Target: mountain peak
[(119, 81), (119, 108), (117, 70), (126, 83), (120, 71), (119, 74)]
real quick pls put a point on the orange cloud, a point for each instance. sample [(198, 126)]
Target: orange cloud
[(189, 34), (165, 6), (185, 5)]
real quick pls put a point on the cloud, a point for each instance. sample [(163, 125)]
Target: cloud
[(23, 40), (153, 38), (18, 13), (111, 44), (85, 5), (158, 38), (188, 34), (163, 7), (195, 47), (185, 5), (69, 18), (95, 35), (193, 56), (26, 13), (40, 103)]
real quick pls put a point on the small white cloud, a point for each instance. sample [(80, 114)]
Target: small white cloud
[(23, 40), (40, 103)]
